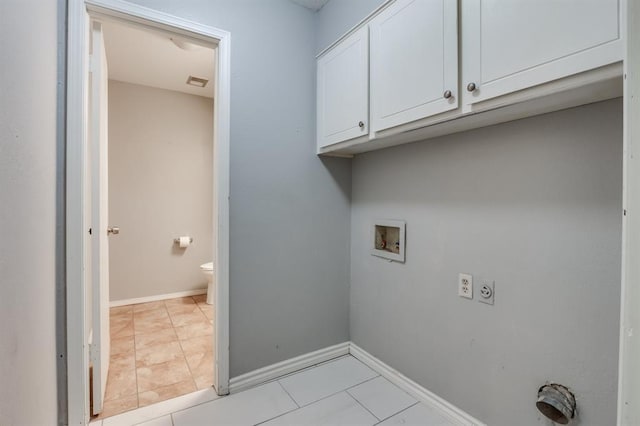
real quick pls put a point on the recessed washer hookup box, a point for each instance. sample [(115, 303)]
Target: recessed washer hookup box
[(389, 239)]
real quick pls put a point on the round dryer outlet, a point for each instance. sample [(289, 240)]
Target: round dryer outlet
[(487, 290)]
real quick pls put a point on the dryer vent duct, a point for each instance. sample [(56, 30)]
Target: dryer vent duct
[(557, 403)]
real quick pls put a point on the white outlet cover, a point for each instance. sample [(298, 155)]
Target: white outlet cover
[(465, 286)]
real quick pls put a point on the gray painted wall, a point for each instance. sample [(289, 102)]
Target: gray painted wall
[(532, 204), (160, 188), (289, 233), (27, 212), (339, 16)]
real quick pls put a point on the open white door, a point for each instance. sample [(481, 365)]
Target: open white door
[(98, 136)]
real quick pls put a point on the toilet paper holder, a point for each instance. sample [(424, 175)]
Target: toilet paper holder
[(177, 240)]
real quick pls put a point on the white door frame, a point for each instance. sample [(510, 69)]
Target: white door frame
[(77, 108), (629, 362)]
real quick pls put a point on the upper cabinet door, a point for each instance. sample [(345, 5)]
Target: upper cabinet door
[(343, 95), (512, 45), (414, 61)]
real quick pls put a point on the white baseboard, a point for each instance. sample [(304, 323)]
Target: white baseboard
[(275, 371), (158, 297), (412, 388)]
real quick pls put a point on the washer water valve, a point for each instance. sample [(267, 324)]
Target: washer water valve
[(557, 403)]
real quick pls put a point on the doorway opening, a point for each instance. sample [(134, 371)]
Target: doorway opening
[(151, 168), (148, 147)]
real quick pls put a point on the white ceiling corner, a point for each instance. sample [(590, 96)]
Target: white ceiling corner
[(311, 4), (150, 58)]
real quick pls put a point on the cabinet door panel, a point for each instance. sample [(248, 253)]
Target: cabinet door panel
[(512, 45), (414, 60), (343, 97)]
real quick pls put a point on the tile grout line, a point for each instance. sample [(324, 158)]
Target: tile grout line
[(199, 404), (287, 392), (184, 355), (276, 417), (307, 368), (313, 402), (342, 390), (221, 397), (216, 397), (395, 414), (166, 309), (281, 414), (200, 307), (404, 391), (135, 356), (362, 405), (110, 359), (388, 417)]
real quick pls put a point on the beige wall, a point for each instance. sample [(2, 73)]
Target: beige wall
[(160, 187)]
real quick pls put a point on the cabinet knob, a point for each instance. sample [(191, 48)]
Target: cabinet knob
[(447, 94), (471, 87), (113, 230), (361, 124)]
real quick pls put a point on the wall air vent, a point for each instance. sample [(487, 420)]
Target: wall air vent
[(198, 82)]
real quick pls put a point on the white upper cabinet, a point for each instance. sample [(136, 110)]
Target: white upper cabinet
[(512, 45), (414, 62), (343, 90), (416, 69)]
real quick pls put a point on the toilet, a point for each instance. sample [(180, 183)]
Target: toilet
[(207, 270)]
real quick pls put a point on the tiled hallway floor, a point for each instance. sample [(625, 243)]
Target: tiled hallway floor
[(159, 350), (339, 392)]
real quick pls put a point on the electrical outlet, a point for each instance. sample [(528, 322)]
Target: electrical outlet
[(487, 292), (465, 286)]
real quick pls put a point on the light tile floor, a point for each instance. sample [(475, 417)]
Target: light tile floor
[(159, 350), (339, 392)]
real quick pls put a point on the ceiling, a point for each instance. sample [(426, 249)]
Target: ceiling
[(150, 58), (311, 4)]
